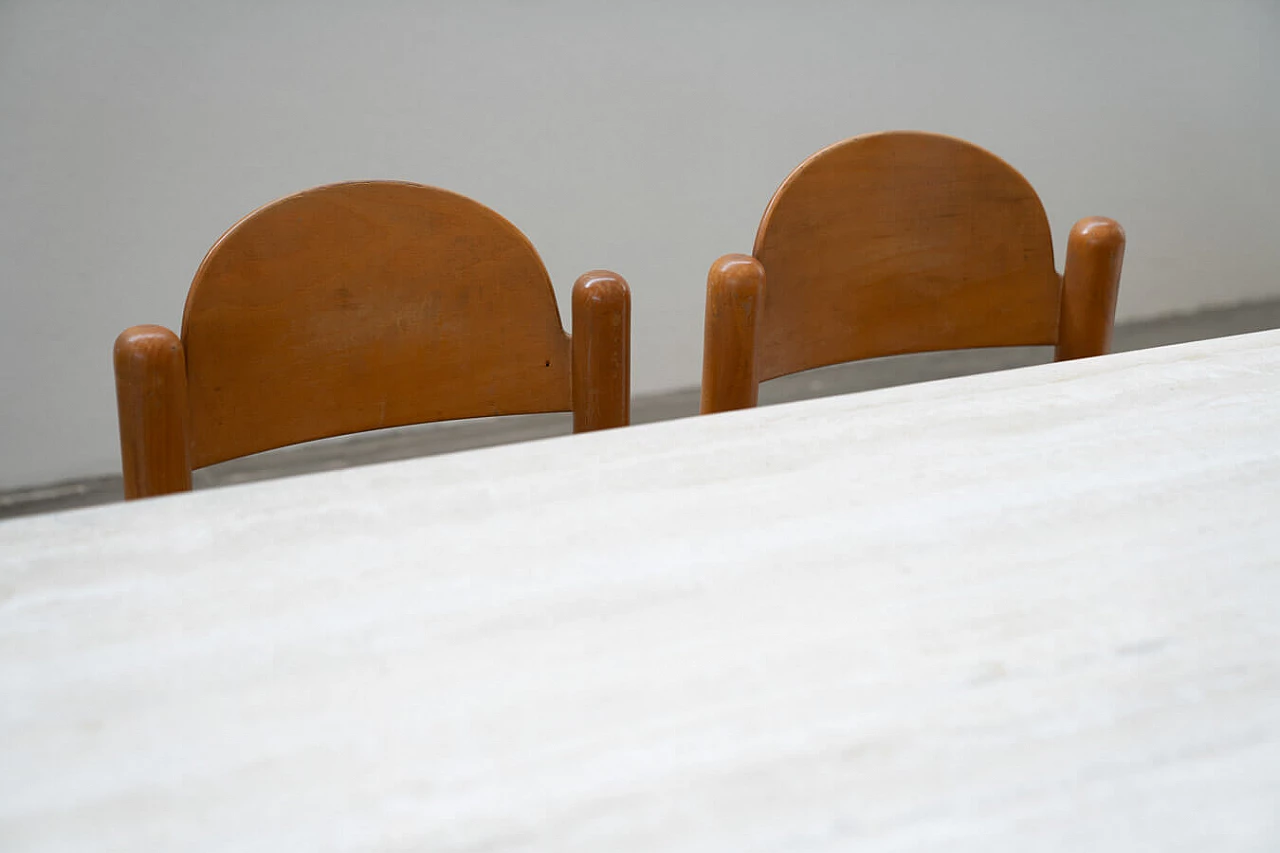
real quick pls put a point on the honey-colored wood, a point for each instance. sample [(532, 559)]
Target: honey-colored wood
[(151, 396), (1090, 285), (601, 351), (895, 243), (901, 242), (365, 305), (735, 288)]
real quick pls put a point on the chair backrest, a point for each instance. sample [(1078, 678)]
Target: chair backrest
[(365, 305), (894, 243), (357, 306)]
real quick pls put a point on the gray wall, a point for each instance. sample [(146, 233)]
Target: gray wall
[(643, 137)]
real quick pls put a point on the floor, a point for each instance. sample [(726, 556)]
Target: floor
[(462, 435)]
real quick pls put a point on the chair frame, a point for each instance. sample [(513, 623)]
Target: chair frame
[(1075, 310), (261, 283)]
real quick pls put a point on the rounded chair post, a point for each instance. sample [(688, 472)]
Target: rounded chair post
[(735, 305), (1090, 285), (601, 351), (151, 397)]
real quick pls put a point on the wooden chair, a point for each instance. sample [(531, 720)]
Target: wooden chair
[(359, 306), (895, 243)]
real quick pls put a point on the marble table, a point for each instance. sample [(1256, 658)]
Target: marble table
[(1032, 610)]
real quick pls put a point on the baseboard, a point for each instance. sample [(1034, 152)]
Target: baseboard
[(459, 435)]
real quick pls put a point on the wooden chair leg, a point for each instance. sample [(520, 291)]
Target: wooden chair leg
[(601, 351), (735, 305), (151, 395), (1090, 284)]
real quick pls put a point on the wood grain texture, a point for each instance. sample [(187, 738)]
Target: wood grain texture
[(1090, 287), (735, 296), (601, 351), (903, 242), (365, 305), (1030, 610), (359, 306), (151, 401)]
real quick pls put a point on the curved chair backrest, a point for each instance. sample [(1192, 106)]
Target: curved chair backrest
[(894, 243), (358, 306)]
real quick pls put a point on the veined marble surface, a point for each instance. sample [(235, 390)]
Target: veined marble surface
[(1033, 610)]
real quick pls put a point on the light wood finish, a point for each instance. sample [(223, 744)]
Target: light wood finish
[(735, 290), (1090, 285), (151, 398), (601, 351), (904, 242), (359, 306), (1030, 610)]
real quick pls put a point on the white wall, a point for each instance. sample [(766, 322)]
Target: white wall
[(643, 137)]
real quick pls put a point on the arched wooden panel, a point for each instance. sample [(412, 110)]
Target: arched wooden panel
[(365, 305), (902, 242)]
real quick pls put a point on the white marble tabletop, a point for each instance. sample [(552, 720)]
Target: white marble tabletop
[(1033, 610)]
